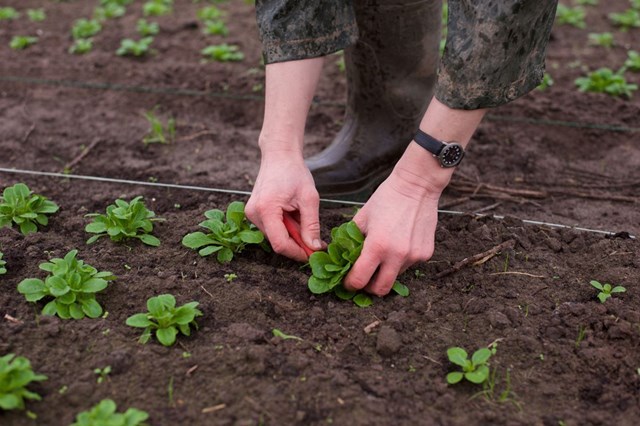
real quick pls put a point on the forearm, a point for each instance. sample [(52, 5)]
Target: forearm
[(418, 166), (289, 90)]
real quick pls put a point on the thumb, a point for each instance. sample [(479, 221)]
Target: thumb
[(310, 225)]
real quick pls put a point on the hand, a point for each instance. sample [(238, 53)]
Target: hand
[(399, 222), (284, 184)]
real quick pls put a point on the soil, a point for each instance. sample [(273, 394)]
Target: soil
[(563, 357)]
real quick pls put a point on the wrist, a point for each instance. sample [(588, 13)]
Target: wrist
[(421, 170), (289, 147)]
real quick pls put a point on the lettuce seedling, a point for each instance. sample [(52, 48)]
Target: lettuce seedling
[(475, 370), (85, 28), (601, 39), (633, 61), (8, 14), (15, 375), (134, 48), (165, 319), (3, 270), (626, 20), (158, 132), (606, 290), (230, 233), (81, 46), (36, 15), (222, 53), (104, 413), (571, 15), (146, 28), (73, 285), (124, 220), (22, 42), (329, 268), (209, 13), (157, 7), (19, 205), (109, 11), (215, 27), (605, 80), (547, 82)]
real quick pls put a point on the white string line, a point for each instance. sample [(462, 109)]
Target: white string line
[(239, 192)]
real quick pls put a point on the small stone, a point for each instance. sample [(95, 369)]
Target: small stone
[(388, 342), (498, 320)]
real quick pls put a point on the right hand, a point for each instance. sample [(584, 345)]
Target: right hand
[(285, 184)]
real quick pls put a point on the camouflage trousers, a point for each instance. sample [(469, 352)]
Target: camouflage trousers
[(494, 52)]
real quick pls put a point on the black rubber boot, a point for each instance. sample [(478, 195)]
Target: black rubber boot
[(391, 72)]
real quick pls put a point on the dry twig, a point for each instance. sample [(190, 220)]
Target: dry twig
[(475, 258)]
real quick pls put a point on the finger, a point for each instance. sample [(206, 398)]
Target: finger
[(310, 223), (362, 271), (279, 238), (382, 282)]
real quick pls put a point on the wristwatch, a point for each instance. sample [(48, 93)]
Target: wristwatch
[(448, 154)]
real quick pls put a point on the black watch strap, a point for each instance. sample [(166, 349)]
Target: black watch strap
[(428, 142)]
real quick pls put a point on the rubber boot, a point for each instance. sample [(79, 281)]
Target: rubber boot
[(391, 73)]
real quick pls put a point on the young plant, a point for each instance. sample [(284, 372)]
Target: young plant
[(146, 28), (36, 15), (15, 375), (587, 2), (626, 20), (329, 268), (85, 28), (158, 132), (102, 373), (229, 277), (209, 13), (73, 285), (633, 61), (215, 27), (8, 14), (22, 42), (606, 290), (3, 270), (165, 319), (601, 39), (278, 333), (571, 15), (109, 11), (129, 47), (229, 233), (81, 46), (222, 53), (104, 413), (124, 220), (475, 370), (19, 205), (605, 80), (157, 7), (547, 82)]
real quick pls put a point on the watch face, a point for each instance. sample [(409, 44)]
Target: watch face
[(451, 155)]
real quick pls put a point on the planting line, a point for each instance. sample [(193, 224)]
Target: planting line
[(239, 192), (117, 87)]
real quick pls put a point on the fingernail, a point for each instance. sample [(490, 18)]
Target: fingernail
[(317, 244)]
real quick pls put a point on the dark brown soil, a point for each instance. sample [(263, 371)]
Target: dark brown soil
[(579, 151)]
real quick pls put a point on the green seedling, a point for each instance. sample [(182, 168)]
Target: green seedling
[(330, 267), (124, 220), (159, 132), (571, 16), (102, 373), (81, 46), (228, 277), (222, 53), (475, 370), (36, 15), (165, 319), (283, 336), (118, 2), (146, 28), (215, 27), (19, 205), (626, 20), (15, 375), (104, 413), (109, 11), (22, 42), (3, 270), (606, 290), (129, 47), (8, 14), (601, 39), (157, 7), (547, 82), (73, 285), (605, 80), (633, 61), (230, 233), (587, 2), (582, 332), (209, 13), (635, 4), (85, 28)]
